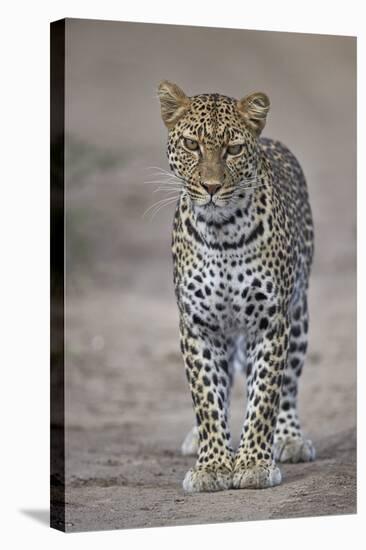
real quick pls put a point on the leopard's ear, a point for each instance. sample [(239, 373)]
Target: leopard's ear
[(173, 102), (254, 109)]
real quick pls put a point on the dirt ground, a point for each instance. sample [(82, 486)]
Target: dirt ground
[(128, 406)]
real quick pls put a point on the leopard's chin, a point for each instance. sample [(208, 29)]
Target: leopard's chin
[(211, 211)]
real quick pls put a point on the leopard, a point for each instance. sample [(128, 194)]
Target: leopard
[(242, 247)]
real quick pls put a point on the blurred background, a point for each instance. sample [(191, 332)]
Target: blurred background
[(127, 402)]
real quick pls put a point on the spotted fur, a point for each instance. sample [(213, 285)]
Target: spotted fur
[(242, 252)]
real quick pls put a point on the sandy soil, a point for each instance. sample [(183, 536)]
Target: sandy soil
[(128, 406)]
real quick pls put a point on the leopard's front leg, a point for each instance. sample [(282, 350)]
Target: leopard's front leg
[(206, 362), (254, 462)]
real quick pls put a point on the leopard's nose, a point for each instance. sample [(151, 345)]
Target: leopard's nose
[(211, 188)]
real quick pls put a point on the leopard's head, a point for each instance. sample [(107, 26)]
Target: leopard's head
[(213, 142)]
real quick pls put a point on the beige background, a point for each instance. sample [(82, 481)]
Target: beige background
[(128, 405)]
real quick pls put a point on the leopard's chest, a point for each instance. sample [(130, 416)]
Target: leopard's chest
[(222, 293)]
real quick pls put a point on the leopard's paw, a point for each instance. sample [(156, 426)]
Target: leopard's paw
[(190, 443), (207, 479), (256, 477), (294, 450)]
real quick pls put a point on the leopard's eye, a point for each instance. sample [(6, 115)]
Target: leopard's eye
[(190, 144), (235, 149)]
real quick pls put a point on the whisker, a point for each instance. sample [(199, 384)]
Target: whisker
[(167, 189), (159, 204), (165, 182), (156, 168), (163, 172), (153, 212), (162, 206)]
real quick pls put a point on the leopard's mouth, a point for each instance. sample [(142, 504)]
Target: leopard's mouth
[(210, 208), (213, 201), (205, 202)]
